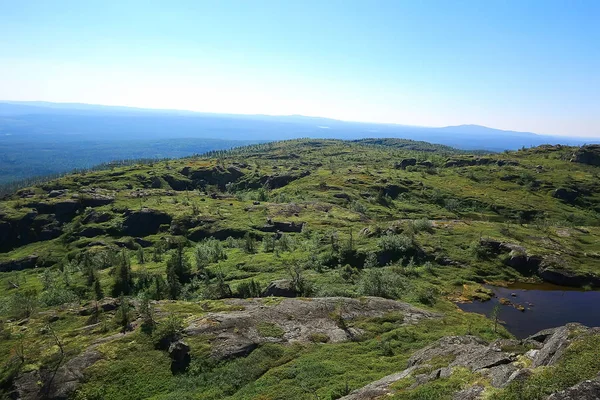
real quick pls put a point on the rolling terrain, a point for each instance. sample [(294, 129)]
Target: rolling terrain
[(299, 269), (39, 138)]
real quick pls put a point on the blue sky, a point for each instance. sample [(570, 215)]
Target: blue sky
[(521, 65)]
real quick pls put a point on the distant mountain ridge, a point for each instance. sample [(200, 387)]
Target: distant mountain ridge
[(480, 129), (60, 122)]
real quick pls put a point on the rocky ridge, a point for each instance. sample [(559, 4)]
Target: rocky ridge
[(496, 363)]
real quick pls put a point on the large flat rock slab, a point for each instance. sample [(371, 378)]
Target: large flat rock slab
[(294, 320)]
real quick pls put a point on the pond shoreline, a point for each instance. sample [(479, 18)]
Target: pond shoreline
[(527, 308)]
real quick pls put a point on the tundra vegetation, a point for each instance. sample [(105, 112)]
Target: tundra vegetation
[(172, 279)]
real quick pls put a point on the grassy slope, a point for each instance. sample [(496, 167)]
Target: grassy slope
[(464, 203)]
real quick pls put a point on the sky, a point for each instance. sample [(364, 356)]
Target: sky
[(523, 65)]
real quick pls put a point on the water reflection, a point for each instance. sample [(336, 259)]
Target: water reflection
[(546, 306)]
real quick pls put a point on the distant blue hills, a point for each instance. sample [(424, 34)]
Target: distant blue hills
[(25, 121), (41, 139)]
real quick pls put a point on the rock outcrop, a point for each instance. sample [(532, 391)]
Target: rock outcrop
[(586, 390), (107, 304), (26, 228), (290, 227), (553, 273), (589, 154), (407, 162), (565, 194), (59, 384), (550, 268), (467, 162), (179, 352), (238, 333), (20, 264), (178, 183), (217, 175), (280, 288), (145, 222), (491, 361), (281, 180), (95, 217)]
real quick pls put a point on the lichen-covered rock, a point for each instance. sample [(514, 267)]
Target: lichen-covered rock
[(94, 217), (466, 162), (556, 344), (344, 196), (500, 374), (589, 154), (501, 368), (293, 320), (178, 183), (447, 346), (65, 210), (586, 390), (95, 200), (380, 388), (92, 231), (477, 358), (59, 384), (472, 393)]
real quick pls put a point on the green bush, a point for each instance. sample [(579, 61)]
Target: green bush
[(397, 245), (23, 303), (219, 289), (370, 261), (167, 331), (125, 314), (453, 205), (248, 289), (267, 329), (300, 283), (209, 251), (422, 225), (178, 272), (249, 244), (427, 296), (381, 283), (268, 244), (318, 338), (479, 250), (123, 284), (285, 243), (358, 207), (57, 296), (193, 290)]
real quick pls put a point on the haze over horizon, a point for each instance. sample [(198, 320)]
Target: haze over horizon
[(522, 66), (70, 106)]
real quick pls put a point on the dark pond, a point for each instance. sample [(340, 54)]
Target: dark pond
[(546, 306)]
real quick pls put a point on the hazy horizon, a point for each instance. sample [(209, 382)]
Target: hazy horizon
[(65, 105), (134, 107)]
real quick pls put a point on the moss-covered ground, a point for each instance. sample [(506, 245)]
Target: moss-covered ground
[(363, 224)]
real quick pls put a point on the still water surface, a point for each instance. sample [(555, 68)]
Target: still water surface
[(547, 306)]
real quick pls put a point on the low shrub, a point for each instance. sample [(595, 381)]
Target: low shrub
[(167, 331)]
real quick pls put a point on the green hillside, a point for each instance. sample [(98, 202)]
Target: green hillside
[(109, 268)]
